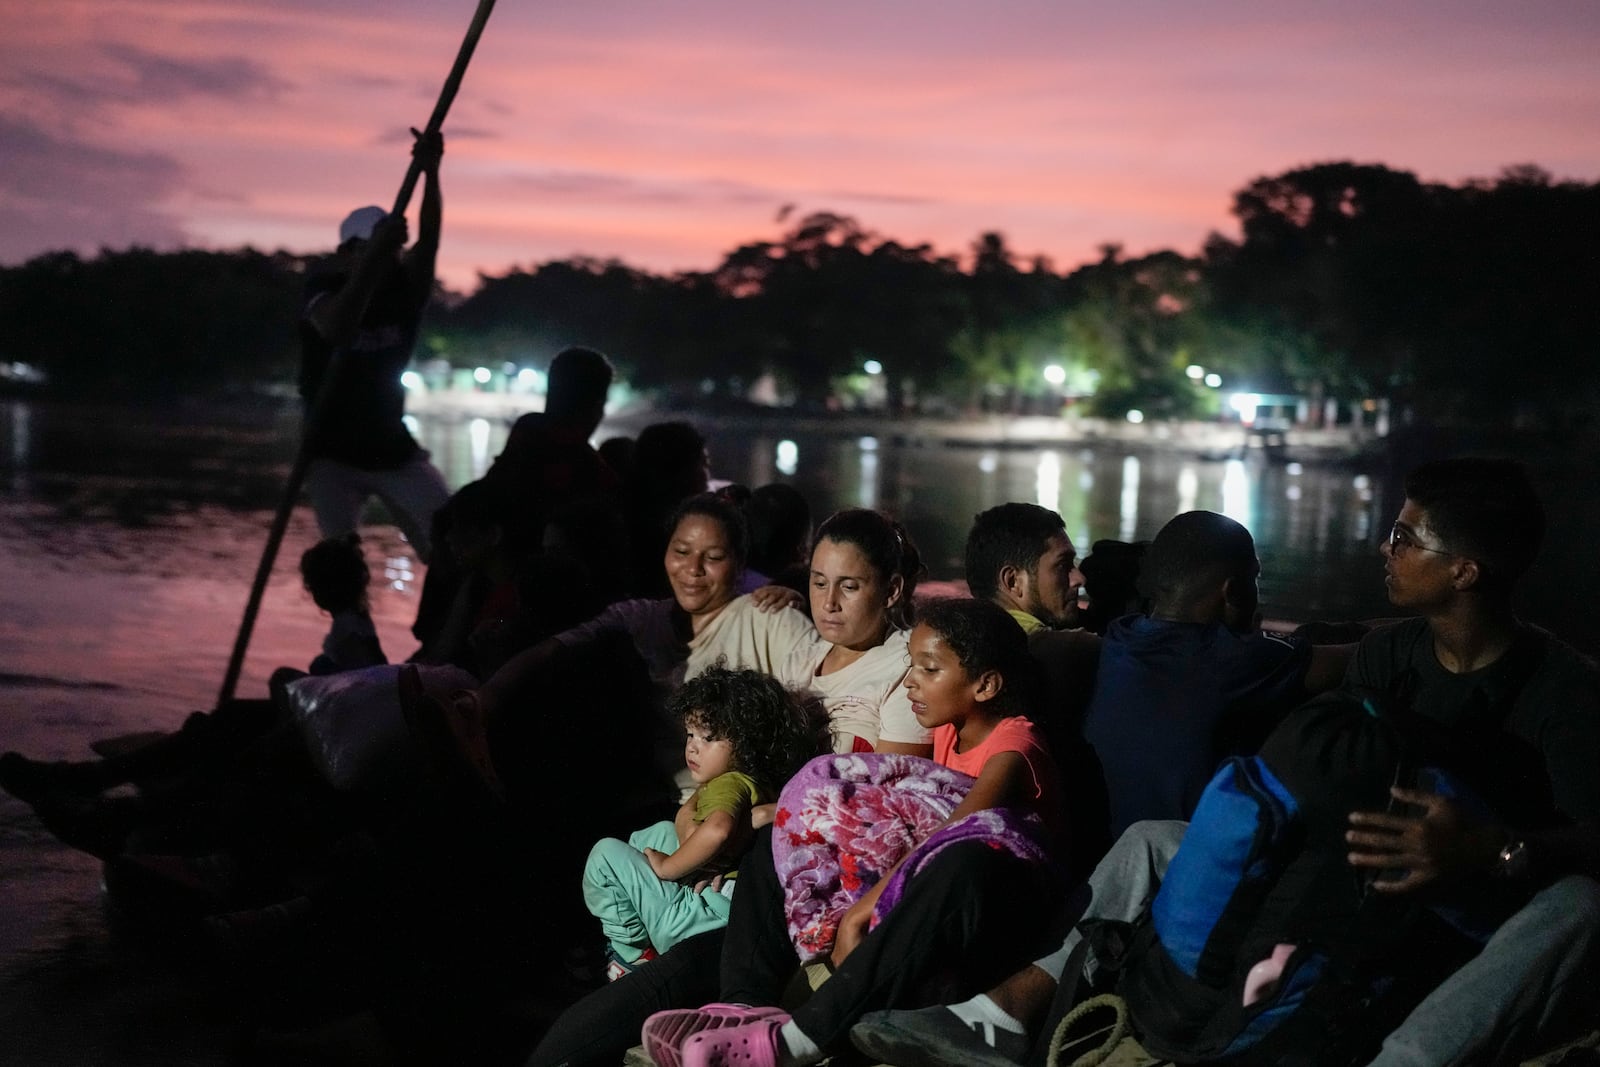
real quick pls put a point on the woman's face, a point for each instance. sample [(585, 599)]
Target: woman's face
[(700, 565), (849, 600)]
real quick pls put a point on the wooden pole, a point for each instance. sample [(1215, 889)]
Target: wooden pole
[(447, 96), (318, 410)]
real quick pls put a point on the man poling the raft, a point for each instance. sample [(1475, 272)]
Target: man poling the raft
[(336, 326), (70, 797)]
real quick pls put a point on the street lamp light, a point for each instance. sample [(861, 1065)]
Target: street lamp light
[(1245, 404), (1055, 374), (872, 366)]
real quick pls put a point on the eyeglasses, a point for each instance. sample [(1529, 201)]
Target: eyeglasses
[(1401, 541)]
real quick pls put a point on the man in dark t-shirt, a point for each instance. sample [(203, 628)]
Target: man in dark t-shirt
[(360, 321), (1196, 679), (1530, 707), (1533, 716)]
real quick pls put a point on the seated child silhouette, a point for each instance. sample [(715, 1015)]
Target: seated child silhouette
[(335, 574)]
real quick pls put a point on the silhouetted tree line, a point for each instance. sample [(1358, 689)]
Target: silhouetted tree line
[(1349, 280)]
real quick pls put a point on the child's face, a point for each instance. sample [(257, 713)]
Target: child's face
[(706, 758), (941, 690)]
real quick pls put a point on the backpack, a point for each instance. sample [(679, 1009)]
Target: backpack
[(1263, 867)]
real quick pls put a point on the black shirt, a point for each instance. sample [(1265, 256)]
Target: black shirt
[(362, 424), (1532, 716)]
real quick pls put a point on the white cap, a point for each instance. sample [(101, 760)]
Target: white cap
[(359, 224)]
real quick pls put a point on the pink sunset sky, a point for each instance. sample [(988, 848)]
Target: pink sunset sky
[(665, 133)]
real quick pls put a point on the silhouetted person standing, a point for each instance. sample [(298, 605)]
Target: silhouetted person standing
[(366, 309), (549, 488)]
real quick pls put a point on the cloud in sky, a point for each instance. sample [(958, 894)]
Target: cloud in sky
[(667, 134), (60, 193), (155, 77), (623, 188), (121, 74)]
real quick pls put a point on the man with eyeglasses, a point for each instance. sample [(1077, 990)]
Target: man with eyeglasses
[(1468, 530)]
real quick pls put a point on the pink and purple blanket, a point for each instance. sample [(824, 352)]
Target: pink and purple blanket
[(845, 820)]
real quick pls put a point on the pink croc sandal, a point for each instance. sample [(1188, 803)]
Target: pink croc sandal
[(665, 1032), (751, 1044)]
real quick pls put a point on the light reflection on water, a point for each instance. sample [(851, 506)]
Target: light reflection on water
[(139, 533), (178, 499), (1307, 542), (787, 459), (1048, 490), (1128, 506)]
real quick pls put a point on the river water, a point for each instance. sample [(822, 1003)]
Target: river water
[(129, 540)]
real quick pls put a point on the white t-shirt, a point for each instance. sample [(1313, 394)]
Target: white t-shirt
[(743, 636), (865, 699)]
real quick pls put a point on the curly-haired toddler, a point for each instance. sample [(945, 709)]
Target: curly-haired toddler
[(744, 736)]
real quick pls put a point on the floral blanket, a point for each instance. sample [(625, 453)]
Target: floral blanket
[(845, 820)]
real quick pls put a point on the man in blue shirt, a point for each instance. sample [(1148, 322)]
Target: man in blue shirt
[(1196, 679)]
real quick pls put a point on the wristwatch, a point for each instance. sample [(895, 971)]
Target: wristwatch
[(1514, 861)]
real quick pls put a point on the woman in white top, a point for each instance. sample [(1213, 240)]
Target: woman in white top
[(864, 569)]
